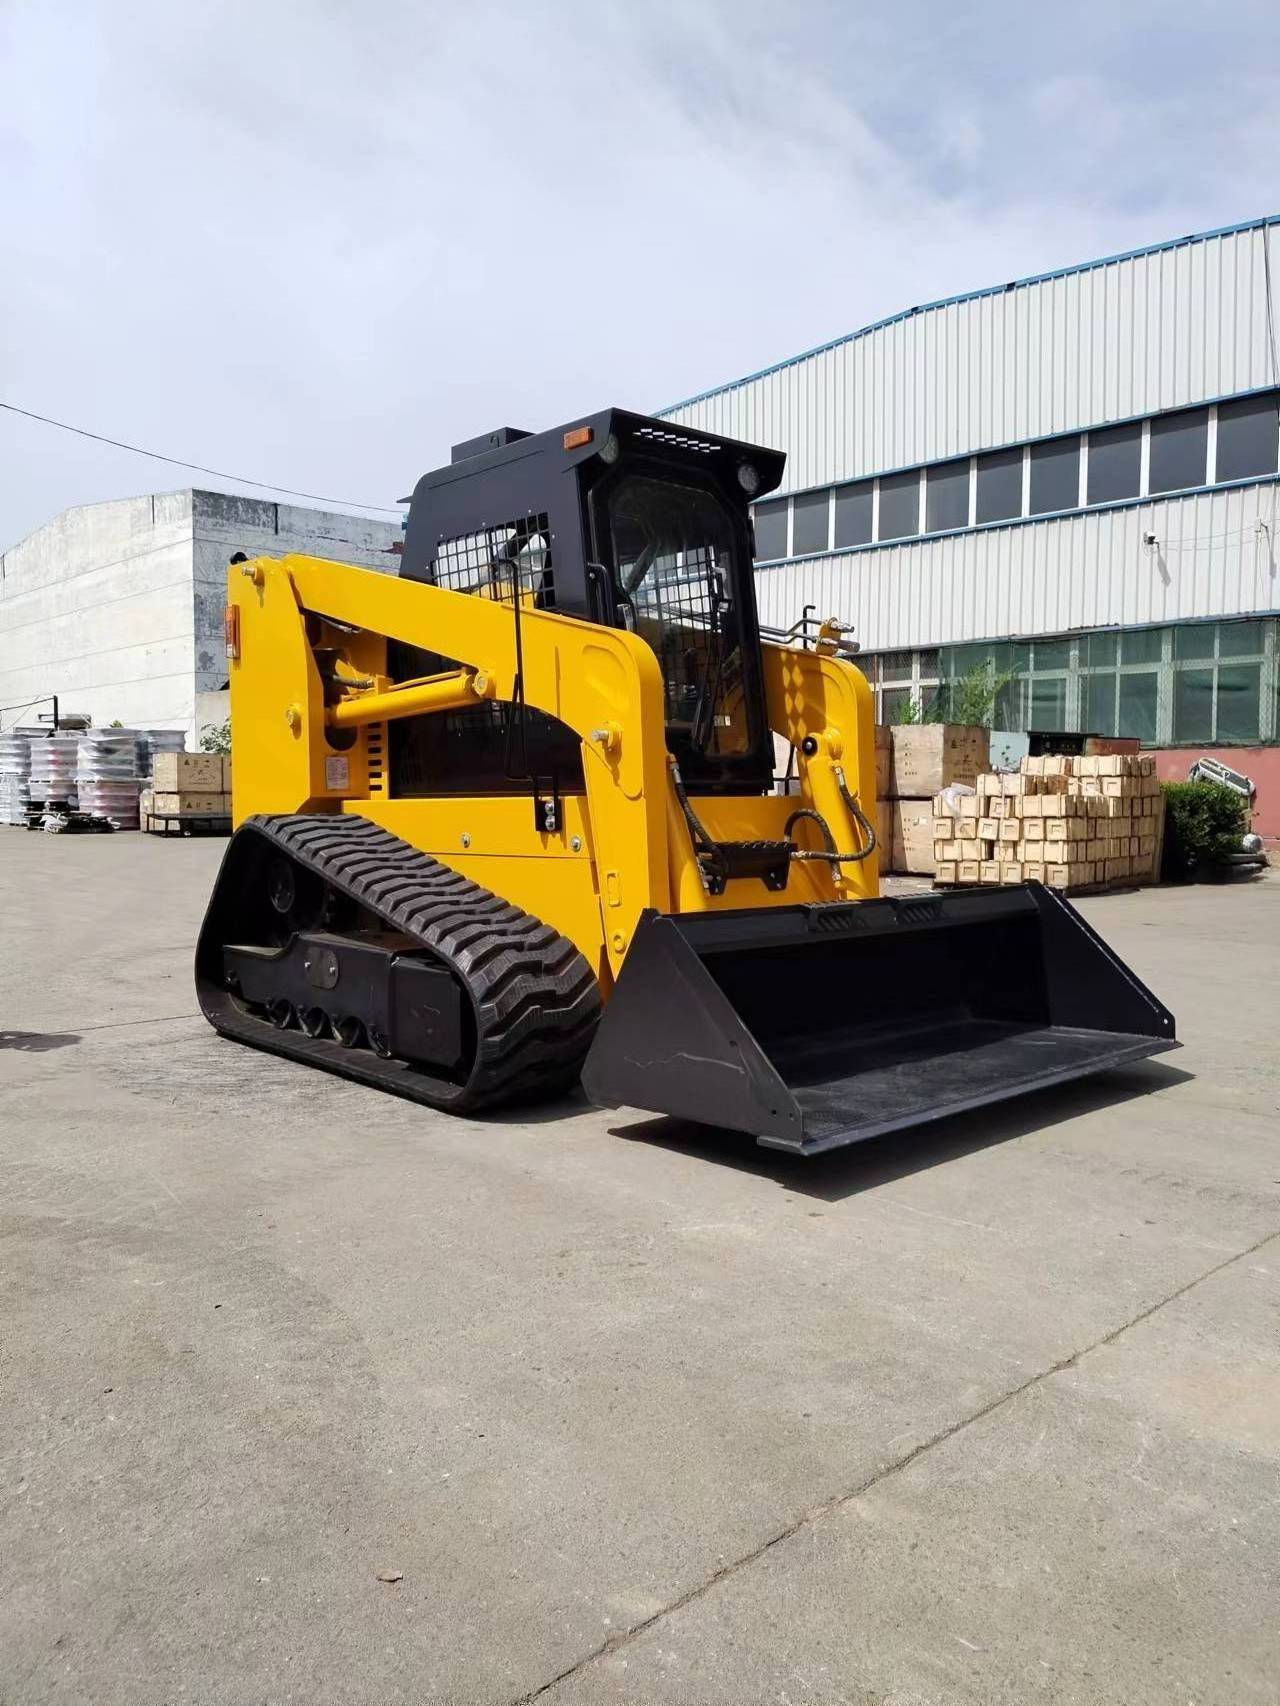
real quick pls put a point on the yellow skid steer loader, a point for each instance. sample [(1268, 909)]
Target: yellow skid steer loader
[(509, 819)]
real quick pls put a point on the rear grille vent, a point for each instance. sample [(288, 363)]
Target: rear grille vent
[(656, 435)]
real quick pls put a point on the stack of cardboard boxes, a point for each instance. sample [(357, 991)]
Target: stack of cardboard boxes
[(1072, 823), (923, 758), (187, 784)]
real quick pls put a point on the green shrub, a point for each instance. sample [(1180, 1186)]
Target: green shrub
[(216, 737), (1202, 828)]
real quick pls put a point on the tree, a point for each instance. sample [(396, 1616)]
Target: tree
[(974, 697), (216, 737)]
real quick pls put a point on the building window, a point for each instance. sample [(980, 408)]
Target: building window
[(1142, 645), (900, 679), (1179, 451), (947, 496), (1247, 440), (1055, 475), (1194, 684), (1217, 683), (1115, 464), (771, 530), (999, 495), (810, 523), (1139, 704), (900, 505), (854, 513), (1248, 437)]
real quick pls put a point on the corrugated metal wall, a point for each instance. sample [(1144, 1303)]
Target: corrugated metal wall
[(1120, 338), (1045, 577)]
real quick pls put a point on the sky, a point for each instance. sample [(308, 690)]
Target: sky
[(316, 244)]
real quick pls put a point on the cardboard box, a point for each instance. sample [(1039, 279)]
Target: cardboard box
[(913, 837), (927, 757), (884, 746), (1069, 876), (190, 772), (205, 805)]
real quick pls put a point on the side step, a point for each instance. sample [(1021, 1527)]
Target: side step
[(816, 1026)]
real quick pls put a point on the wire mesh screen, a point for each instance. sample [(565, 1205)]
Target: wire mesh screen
[(679, 609), (494, 560), (673, 556)]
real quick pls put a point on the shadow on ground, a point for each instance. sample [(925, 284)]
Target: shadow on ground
[(843, 1173), (37, 1042)]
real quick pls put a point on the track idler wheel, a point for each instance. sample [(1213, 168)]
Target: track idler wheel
[(314, 1021)]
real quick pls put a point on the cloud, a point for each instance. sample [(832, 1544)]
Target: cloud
[(317, 244)]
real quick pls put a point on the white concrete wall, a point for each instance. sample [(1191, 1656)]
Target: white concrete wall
[(117, 607), (96, 607), (223, 525)]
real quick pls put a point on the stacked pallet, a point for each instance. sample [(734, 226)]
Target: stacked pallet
[(1073, 823), (53, 770), (187, 787), (15, 777), (107, 775)]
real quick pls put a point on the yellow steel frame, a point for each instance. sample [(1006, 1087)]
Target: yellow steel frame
[(303, 743)]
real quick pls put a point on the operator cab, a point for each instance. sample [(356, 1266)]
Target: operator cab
[(622, 520)]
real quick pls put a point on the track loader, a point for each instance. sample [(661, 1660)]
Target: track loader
[(509, 818)]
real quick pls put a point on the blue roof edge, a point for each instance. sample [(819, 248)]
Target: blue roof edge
[(971, 296)]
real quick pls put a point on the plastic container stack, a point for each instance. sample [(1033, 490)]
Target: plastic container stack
[(151, 741), (53, 768), (15, 777), (107, 775)]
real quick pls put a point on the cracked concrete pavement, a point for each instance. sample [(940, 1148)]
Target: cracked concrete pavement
[(989, 1413)]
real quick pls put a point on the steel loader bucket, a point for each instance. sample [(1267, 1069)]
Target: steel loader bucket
[(816, 1026)]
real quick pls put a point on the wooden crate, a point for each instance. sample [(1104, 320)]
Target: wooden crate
[(190, 772), (927, 757), (913, 830), (884, 749), (188, 800)]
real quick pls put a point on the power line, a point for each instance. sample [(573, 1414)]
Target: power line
[(195, 467)]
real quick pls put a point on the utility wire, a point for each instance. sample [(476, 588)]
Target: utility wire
[(196, 467)]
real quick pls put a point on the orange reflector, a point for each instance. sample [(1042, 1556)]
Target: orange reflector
[(577, 437), (231, 628)]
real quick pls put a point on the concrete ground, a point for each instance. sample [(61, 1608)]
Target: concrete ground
[(990, 1413)]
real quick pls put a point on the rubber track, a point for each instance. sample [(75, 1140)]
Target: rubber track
[(536, 999)]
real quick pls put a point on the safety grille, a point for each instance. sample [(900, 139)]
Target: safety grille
[(492, 561)]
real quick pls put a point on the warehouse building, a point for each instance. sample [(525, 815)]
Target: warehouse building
[(117, 607), (1071, 478)]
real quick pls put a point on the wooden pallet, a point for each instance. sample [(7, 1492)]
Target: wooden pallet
[(187, 823)]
